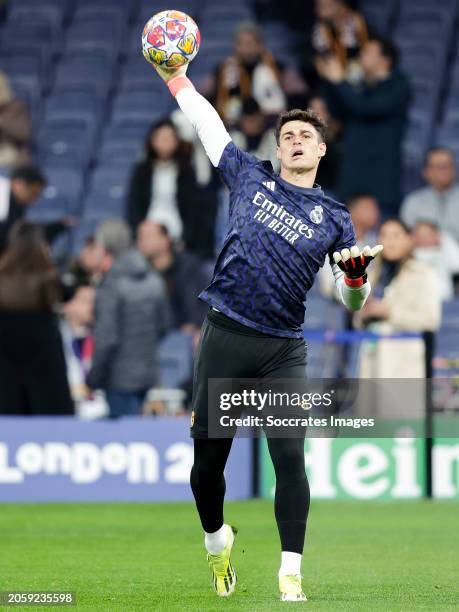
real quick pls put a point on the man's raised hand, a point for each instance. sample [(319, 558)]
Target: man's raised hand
[(354, 263), (168, 74)]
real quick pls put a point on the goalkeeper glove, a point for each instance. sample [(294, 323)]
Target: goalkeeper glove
[(354, 263)]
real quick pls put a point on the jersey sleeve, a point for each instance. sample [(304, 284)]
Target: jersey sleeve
[(234, 164)]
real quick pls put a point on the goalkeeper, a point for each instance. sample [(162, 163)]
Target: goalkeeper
[(281, 229)]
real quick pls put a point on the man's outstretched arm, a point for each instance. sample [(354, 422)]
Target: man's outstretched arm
[(201, 114)]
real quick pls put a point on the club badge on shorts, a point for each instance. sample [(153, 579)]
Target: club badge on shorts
[(316, 214)]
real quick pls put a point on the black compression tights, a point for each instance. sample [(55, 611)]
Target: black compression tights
[(291, 504)]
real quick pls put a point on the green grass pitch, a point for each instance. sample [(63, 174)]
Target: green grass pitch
[(359, 556)]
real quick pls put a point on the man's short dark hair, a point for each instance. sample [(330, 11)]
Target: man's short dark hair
[(438, 149), (29, 174), (388, 49), (355, 197), (307, 116)]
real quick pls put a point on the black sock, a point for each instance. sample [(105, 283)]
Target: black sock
[(208, 482), (291, 503)]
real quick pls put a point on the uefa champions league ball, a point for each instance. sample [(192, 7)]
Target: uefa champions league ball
[(170, 39)]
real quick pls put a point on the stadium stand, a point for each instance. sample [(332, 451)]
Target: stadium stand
[(92, 97)]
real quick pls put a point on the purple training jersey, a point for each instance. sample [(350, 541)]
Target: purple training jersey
[(279, 236)]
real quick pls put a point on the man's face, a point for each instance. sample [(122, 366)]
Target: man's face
[(426, 235), (26, 193), (371, 59), (300, 148), (440, 170), (253, 125), (247, 47), (91, 257), (326, 9), (80, 309), (365, 213), (151, 240)]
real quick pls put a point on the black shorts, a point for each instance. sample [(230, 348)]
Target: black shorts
[(229, 349)]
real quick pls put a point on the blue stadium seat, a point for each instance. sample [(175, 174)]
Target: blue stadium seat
[(53, 13), (114, 17), (322, 313), (73, 104), (175, 359), (102, 35), (137, 72), (90, 8), (71, 140), (448, 131), (66, 183), (98, 207), (29, 92), (229, 13), (114, 152), (30, 69), (35, 29), (420, 25), (107, 191), (149, 7), (127, 131), (421, 59), (148, 103), (424, 95), (61, 8), (88, 69), (447, 343), (378, 14), (450, 315)]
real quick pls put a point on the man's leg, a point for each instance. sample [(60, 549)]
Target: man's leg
[(208, 485), (291, 506), (208, 481)]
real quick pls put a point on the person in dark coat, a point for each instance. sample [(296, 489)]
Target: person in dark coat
[(373, 113), (185, 275), (17, 194), (163, 188), (33, 377), (131, 315)]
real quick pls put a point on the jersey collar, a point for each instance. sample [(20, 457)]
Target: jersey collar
[(316, 190)]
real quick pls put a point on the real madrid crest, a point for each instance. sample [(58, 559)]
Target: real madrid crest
[(316, 215)]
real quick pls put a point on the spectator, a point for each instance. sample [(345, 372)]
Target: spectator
[(250, 72), (374, 116), (163, 188), (336, 32), (131, 314), (76, 329), (15, 128), (328, 168), (405, 298), (339, 32), (32, 367), (439, 200), (85, 267), (184, 275), (440, 251), (253, 134), (365, 216), (18, 193)]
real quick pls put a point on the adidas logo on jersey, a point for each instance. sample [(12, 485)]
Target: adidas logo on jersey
[(270, 185)]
